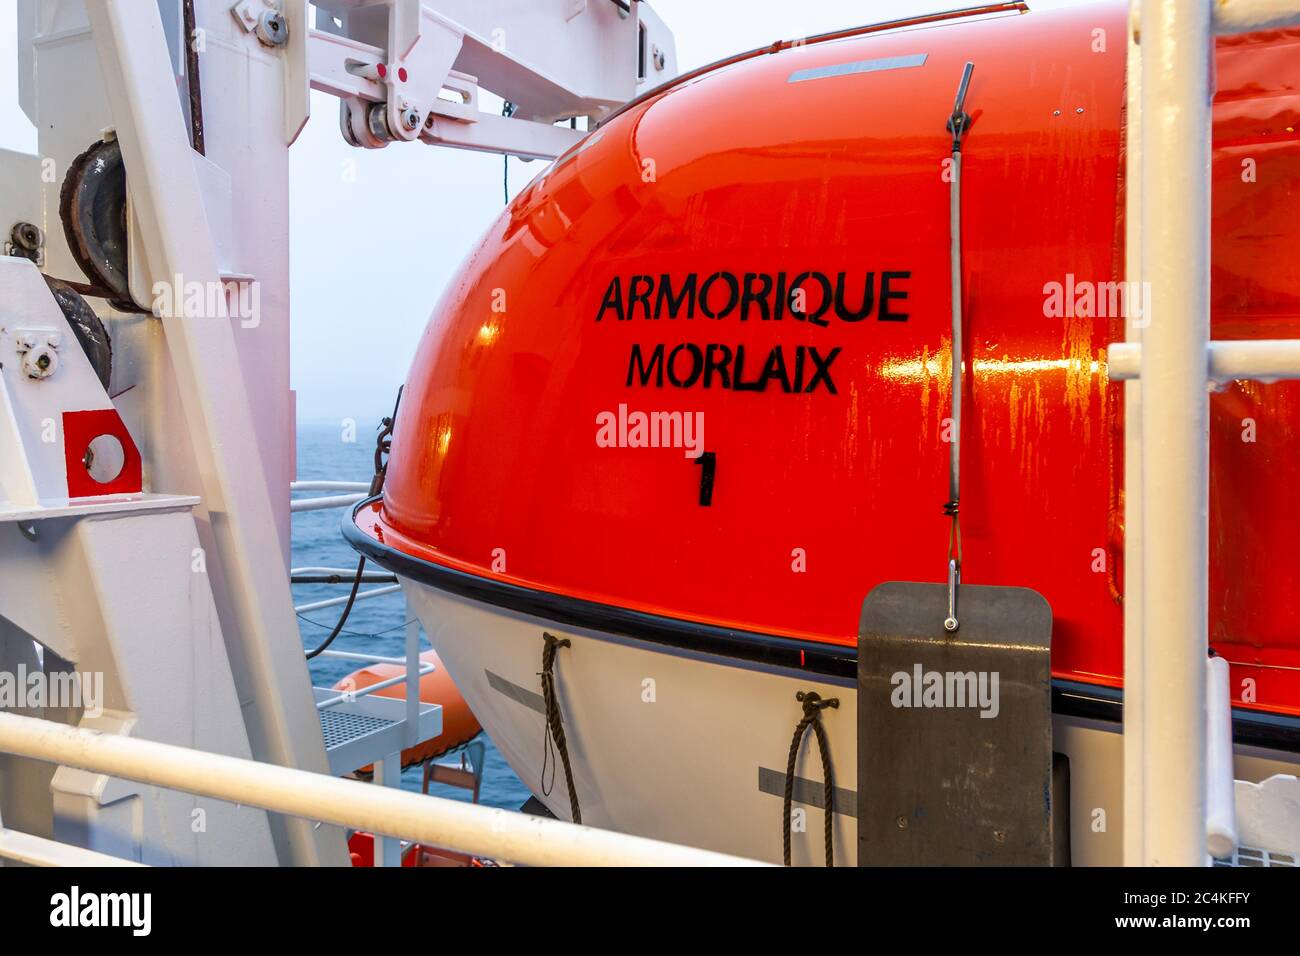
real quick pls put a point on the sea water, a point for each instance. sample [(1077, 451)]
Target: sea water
[(345, 452)]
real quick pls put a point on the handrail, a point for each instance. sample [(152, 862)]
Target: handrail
[(315, 485), (435, 821), (38, 851), (1266, 360), (351, 695), (363, 658), (338, 576), (361, 596), (1247, 16), (327, 501)]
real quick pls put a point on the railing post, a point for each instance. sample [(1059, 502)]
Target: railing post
[(1134, 764), (1177, 45), (412, 674)]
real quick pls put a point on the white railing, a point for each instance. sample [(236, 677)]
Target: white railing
[(337, 575), (433, 821), (323, 503), (1168, 364), (1263, 359), (357, 490), (315, 485), (38, 851), (363, 658), (378, 747), (1247, 16), (348, 696), (335, 601)]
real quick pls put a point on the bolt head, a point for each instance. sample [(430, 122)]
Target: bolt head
[(411, 119), (272, 28), (28, 236), (40, 362)]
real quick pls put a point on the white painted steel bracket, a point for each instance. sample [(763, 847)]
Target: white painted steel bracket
[(33, 474)]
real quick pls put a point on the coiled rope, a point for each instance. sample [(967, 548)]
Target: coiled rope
[(813, 705), (554, 737)]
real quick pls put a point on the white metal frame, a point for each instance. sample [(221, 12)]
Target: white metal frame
[(167, 199), (214, 415), (1169, 364), (435, 821)]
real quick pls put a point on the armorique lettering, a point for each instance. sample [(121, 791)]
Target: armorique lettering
[(808, 296)]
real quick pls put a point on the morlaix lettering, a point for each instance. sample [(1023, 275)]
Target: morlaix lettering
[(817, 298)]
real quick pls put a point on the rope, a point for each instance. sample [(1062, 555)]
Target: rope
[(813, 704), (554, 738)]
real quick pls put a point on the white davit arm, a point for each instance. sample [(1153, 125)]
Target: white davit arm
[(405, 70)]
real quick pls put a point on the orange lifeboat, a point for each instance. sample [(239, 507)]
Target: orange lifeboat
[(459, 724), (712, 418)]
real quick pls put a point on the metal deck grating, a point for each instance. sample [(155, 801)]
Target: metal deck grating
[(341, 727), (1251, 856)]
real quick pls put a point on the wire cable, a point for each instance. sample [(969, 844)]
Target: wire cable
[(347, 609), (383, 443), (325, 627)]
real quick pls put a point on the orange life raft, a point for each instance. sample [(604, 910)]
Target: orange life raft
[(459, 725)]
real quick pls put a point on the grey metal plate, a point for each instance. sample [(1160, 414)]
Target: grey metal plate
[(859, 66), (954, 768)]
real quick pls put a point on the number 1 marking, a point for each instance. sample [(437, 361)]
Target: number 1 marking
[(708, 462)]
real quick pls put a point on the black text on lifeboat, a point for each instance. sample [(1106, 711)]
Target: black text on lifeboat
[(808, 296)]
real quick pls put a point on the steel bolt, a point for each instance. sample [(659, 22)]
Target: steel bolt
[(27, 236), (411, 118), (272, 28), (41, 362)]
